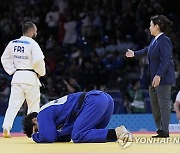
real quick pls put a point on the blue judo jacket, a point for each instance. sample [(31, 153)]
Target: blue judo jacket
[(85, 124)]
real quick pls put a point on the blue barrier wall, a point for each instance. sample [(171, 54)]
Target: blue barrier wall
[(17, 127), (137, 122), (134, 122)]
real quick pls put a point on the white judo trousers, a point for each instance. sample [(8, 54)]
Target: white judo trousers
[(20, 92)]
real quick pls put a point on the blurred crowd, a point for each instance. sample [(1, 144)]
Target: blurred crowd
[(84, 41)]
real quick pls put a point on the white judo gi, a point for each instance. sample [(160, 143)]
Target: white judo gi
[(20, 58)]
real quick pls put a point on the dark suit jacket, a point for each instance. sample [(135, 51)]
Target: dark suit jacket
[(160, 59)]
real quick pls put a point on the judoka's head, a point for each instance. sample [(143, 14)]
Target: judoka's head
[(29, 29), (30, 124)]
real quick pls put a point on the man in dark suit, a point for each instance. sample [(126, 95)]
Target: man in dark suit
[(161, 72)]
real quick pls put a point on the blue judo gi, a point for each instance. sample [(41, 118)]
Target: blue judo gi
[(84, 124)]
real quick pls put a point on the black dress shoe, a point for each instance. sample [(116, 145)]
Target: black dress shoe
[(161, 134)]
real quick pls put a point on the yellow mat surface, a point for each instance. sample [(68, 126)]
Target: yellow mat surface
[(143, 144)]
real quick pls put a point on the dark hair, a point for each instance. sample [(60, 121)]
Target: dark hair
[(133, 82), (27, 26), (164, 23), (27, 123)]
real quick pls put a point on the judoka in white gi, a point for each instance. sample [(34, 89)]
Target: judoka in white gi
[(24, 59)]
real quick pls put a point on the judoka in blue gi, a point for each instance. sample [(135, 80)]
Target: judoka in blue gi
[(80, 117)]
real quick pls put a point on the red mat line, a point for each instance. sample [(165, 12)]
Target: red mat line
[(153, 132), (15, 134)]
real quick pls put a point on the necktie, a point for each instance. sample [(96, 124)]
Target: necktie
[(153, 41)]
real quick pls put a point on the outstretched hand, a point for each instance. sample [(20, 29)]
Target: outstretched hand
[(129, 53)]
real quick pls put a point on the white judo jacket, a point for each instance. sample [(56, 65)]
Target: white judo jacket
[(24, 53)]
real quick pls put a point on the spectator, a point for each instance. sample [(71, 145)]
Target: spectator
[(136, 98), (52, 19), (70, 30), (72, 85)]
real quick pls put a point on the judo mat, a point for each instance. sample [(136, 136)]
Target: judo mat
[(143, 144)]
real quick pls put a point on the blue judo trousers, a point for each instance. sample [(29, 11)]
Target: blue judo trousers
[(63, 117)]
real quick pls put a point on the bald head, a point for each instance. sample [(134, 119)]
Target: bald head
[(29, 29)]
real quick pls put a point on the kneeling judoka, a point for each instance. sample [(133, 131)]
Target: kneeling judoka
[(82, 117)]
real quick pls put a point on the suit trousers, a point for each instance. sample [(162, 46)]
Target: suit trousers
[(20, 92), (160, 98)]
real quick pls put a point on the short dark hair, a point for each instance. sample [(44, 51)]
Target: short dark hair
[(27, 123), (28, 25)]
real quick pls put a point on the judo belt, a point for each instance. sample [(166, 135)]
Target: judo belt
[(43, 87), (26, 70), (80, 101)]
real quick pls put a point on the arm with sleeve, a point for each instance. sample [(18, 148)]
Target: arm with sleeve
[(141, 53), (38, 60), (7, 60), (47, 132)]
